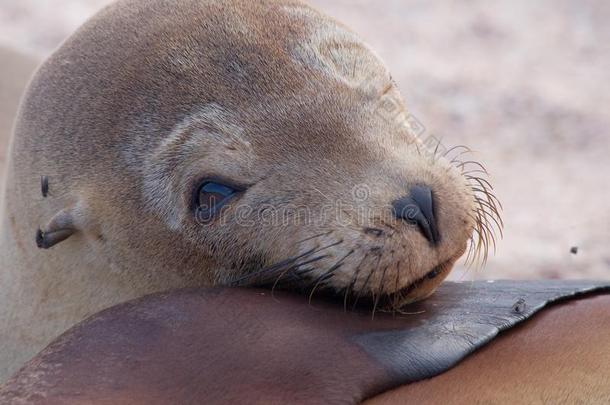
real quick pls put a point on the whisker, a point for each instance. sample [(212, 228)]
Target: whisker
[(484, 187), (478, 179), (481, 240), (310, 269), (438, 145), (283, 263), (478, 164), (477, 171), (277, 281), (379, 292), (272, 268), (397, 293), (456, 159), (353, 281), (495, 217), (329, 273), (489, 196), (300, 273), (457, 147), (366, 282), (491, 235)]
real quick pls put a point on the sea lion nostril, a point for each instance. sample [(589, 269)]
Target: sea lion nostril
[(418, 208)]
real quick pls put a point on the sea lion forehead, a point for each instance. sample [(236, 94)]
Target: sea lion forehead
[(335, 50), (281, 39)]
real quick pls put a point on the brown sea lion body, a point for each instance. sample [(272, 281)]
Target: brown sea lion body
[(247, 347), (562, 356), (151, 101)]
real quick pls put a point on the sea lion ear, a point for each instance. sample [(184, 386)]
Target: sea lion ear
[(60, 228)]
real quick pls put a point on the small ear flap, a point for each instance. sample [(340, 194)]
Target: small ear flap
[(60, 228)]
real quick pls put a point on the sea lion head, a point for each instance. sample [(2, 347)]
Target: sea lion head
[(244, 143)]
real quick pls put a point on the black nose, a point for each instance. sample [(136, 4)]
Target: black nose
[(418, 209)]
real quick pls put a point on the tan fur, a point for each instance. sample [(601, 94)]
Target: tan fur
[(151, 96), (15, 71), (562, 356)]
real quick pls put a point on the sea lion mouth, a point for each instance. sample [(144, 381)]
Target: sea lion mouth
[(431, 275), (419, 289)]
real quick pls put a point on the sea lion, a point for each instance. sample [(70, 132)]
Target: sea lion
[(193, 143), (562, 356), (227, 346)]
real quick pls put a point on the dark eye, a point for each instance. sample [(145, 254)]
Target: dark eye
[(211, 197)]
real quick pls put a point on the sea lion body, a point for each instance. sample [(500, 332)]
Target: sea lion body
[(153, 99), (227, 346), (559, 357)]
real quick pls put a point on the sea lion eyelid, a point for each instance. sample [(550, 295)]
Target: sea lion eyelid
[(211, 194), (217, 188)]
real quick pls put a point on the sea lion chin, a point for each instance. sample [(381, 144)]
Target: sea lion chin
[(192, 143)]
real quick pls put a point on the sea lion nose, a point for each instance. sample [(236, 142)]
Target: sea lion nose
[(418, 209)]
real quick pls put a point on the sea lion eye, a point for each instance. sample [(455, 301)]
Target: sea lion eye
[(211, 196)]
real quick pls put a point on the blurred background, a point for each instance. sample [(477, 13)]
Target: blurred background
[(525, 84)]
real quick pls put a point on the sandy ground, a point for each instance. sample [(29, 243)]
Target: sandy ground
[(526, 84)]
